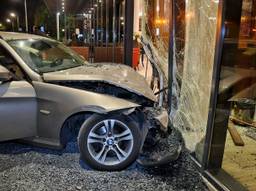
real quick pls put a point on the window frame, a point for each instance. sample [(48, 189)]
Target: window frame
[(213, 173), (26, 77)]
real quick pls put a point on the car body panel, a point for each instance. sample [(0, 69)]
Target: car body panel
[(17, 36), (57, 103), (52, 104), (118, 75), (18, 110), (115, 74)]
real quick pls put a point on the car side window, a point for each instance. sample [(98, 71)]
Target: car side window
[(11, 64)]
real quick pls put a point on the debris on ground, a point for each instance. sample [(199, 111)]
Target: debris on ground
[(251, 132), (30, 168), (160, 149)]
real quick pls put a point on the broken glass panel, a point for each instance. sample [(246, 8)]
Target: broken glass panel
[(194, 67), (195, 38)]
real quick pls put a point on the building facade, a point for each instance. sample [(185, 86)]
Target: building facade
[(206, 50)]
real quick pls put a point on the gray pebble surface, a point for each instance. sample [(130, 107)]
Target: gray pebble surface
[(27, 168)]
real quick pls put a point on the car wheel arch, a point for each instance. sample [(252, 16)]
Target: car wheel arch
[(69, 130)]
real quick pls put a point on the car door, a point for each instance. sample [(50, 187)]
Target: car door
[(18, 104)]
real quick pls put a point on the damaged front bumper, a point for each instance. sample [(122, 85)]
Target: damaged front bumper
[(157, 150), (157, 118)]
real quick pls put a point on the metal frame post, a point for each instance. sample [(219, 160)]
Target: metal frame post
[(114, 31), (26, 14), (128, 37), (171, 52), (58, 25)]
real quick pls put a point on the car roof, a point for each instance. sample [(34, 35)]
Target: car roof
[(18, 36)]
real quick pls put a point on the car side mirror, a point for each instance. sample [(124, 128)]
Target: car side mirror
[(5, 74)]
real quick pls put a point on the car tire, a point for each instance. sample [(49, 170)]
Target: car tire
[(102, 145)]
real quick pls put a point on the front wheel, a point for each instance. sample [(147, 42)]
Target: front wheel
[(109, 142)]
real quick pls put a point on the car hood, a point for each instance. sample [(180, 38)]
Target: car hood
[(115, 74)]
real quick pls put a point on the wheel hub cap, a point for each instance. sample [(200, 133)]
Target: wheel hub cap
[(110, 142)]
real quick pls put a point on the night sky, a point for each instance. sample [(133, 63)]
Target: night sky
[(17, 6)]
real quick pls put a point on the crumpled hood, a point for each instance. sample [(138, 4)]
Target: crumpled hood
[(115, 74)]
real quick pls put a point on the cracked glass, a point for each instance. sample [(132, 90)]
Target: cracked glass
[(195, 41)]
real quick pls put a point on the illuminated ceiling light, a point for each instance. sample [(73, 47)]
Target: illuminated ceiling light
[(157, 8), (63, 6), (157, 31), (1, 24), (161, 21), (95, 5), (8, 20)]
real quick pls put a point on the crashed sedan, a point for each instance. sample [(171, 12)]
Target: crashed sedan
[(47, 91)]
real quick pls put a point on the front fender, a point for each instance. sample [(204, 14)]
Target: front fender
[(57, 103)]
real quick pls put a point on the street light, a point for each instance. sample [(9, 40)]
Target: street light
[(58, 25), (13, 15)]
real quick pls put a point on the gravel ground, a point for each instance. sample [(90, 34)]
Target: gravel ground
[(251, 132), (29, 168)]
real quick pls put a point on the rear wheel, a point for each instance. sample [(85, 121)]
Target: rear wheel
[(109, 142)]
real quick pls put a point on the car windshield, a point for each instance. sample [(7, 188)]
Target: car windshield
[(45, 56)]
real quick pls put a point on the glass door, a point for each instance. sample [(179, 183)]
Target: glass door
[(107, 31), (233, 149)]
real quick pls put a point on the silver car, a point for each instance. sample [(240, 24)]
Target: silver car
[(47, 91)]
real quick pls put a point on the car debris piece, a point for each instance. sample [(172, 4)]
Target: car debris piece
[(237, 139), (158, 150), (241, 122), (158, 117), (161, 160)]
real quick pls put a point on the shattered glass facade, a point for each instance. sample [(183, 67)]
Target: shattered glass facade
[(195, 40), (194, 60), (156, 29)]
